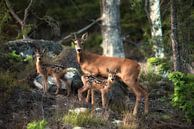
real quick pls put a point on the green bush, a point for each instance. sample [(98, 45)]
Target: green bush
[(161, 65), (18, 58), (183, 96), (155, 70), (37, 124)]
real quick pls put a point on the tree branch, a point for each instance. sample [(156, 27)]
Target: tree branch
[(80, 31), (13, 12), (26, 11)]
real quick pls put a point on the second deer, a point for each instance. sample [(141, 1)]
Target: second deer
[(92, 83), (56, 72)]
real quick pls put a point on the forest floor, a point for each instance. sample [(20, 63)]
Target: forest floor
[(24, 106)]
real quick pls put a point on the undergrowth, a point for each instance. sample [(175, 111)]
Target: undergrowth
[(84, 119), (183, 96)]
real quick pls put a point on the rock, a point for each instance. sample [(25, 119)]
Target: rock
[(117, 122), (72, 75), (68, 58), (79, 110), (26, 47), (78, 128)]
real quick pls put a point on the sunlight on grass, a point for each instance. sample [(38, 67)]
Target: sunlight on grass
[(83, 119)]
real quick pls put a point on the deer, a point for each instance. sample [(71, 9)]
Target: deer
[(96, 65), (92, 83), (45, 70)]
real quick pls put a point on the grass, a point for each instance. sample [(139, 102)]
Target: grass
[(83, 119), (130, 121)]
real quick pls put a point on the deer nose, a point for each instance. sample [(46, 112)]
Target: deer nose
[(79, 50)]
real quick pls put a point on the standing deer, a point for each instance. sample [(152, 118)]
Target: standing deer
[(95, 64), (56, 72), (92, 83)]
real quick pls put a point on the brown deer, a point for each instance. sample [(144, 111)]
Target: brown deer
[(56, 72), (92, 83), (95, 64)]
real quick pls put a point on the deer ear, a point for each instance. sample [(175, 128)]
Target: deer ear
[(44, 50), (84, 36), (117, 70)]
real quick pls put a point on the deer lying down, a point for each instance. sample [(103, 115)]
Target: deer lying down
[(56, 72), (97, 65), (92, 83)]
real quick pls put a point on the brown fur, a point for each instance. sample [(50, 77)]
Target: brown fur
[(92, 84), (94, 64), (46, 70)]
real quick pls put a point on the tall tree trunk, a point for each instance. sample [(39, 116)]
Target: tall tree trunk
[(174, 37), (184, 16), (112, 44), (156, 30)]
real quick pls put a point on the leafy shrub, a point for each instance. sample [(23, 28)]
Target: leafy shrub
[(83, 119), (183, 96), (37, 124), (161, 65), (155, 70), (16, 57)]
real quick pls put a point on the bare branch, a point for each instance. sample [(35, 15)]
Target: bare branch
[(81, 30), (26, 11), (13, 12)]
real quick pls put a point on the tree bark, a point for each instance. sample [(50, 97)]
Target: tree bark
[(111, 32), (156, 28), (174, 37)]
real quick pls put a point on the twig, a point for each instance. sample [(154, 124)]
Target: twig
[(26, 11)]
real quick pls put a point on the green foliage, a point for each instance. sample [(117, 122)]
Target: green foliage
[(83, 119), (161, 65), (183, 96), (155, 70), (37, 124), (18, 58)]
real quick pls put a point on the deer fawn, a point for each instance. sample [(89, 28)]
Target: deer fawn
[(92, 83), (56, 72), (97, 65)]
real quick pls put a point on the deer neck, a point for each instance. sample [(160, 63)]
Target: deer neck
[(80, 57)]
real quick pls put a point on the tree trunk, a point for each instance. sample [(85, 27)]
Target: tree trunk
[(174, 37), (156, 29), (112, 44)]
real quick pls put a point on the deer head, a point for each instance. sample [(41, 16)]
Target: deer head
[(78, 42), (112, 74), (39, 55)]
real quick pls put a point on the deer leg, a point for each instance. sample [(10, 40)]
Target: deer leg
[(137, 101), (137, 91), (93, 100), (45, 83), (88, 96), (146, 104), (103, 98), (58, 83), (68, 84), (81, 90)]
